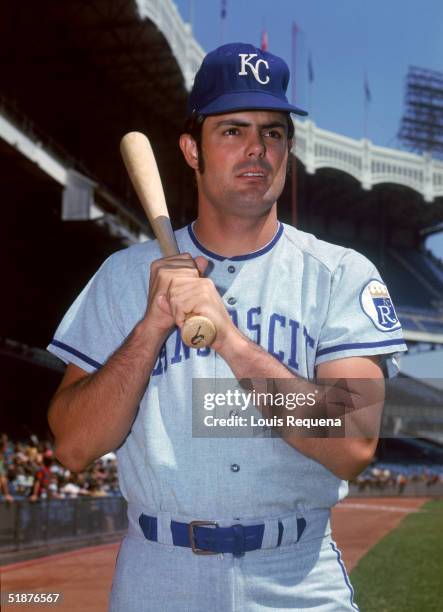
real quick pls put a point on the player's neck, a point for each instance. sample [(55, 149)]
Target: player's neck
[(231, 236)]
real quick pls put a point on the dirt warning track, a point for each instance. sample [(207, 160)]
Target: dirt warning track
[(359, 523), (83, 577)]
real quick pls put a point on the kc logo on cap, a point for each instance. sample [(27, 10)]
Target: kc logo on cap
[(239, 76), (246, 61)]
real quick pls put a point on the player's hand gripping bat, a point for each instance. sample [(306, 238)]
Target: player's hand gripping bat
[(136, 150)]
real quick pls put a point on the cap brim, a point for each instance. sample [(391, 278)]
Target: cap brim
[(256, 100)]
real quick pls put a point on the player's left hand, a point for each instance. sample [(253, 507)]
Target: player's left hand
[(188, 295)]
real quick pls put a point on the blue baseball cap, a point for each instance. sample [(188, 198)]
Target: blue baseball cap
[(239, 76)]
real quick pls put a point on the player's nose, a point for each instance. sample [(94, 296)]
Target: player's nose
[(255, 146)]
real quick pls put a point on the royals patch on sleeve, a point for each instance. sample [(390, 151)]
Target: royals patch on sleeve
[(377, 304)]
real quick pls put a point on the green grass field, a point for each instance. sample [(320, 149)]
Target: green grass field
[(404, 571)]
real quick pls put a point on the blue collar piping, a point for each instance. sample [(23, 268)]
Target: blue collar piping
[(212, 255)]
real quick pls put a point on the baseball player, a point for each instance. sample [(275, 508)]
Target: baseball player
[(225, 523)]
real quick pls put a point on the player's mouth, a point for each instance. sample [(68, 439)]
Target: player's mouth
[(252, 175)]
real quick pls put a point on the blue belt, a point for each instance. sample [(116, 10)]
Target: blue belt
[(207, 538)]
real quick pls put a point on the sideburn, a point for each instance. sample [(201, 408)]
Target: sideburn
[(201, 161)]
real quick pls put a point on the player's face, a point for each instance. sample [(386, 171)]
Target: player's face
[(245, 159)]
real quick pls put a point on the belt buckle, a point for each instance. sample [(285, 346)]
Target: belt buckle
[(195, 550)]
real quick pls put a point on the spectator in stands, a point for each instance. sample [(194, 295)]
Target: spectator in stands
[(4, 489), (71, 487), (115, 488), (401, 481), (29, 470), (98, 471), (20, 452), (22, 483), (386, 478), (53, 487), (7, 446), (42, 480), (379, 476), (96, 488), (430, 478)]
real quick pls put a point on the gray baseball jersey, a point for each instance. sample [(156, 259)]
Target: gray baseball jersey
[(304, 300)]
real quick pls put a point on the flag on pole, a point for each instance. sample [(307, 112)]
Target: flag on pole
[(310, 69), (367, 90), (295, 30), (264, 41), (223, 9)]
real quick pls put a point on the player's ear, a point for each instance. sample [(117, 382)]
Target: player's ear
[(189, 150)]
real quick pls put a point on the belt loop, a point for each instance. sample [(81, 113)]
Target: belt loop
[(270, 536), (301, 526), (148, 526), (290, 530), (164, 533), (238, 549)]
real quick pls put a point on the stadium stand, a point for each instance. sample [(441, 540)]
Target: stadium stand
[(30, 471)]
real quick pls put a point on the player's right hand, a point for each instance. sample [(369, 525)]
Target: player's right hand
[(158, 312)]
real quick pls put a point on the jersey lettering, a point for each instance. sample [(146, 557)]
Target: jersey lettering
[(309, 344), (282, 340), (282, 320), (254, 326), (386, 314), (294, 325), (179, 347), (162, 362)]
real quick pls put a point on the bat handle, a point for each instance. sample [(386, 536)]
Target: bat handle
[(198, 331)]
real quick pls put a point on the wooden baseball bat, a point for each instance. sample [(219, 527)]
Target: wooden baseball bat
[(138, 157)]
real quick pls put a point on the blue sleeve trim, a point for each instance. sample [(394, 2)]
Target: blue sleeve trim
[(359, 345), (73, 351)]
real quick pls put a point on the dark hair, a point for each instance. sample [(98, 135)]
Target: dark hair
[(194, 125)]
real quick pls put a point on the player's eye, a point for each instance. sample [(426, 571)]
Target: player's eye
[(277, 134), (232, 131)]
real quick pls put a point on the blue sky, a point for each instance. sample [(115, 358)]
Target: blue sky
[(346, 39)]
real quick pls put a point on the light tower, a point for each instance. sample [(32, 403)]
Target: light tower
[(421, 128)]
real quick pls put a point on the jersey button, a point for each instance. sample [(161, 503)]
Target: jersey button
[(231, 269), (232, 301), (235, 467)]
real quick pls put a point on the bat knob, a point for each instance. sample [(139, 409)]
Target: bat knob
[(198, 331)]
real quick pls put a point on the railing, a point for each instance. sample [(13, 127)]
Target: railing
[(24, 524), (366, 162)]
